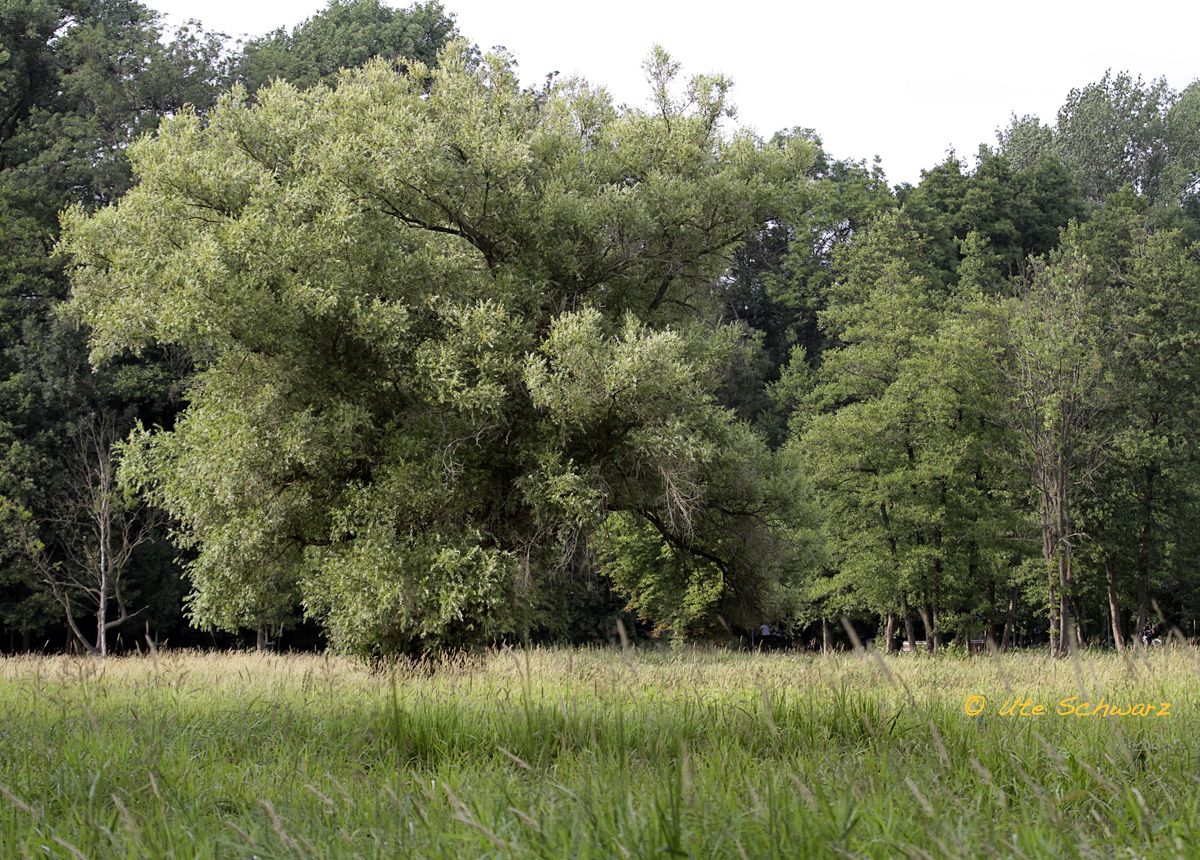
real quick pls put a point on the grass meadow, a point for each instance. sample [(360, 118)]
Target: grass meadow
[(597, 753)]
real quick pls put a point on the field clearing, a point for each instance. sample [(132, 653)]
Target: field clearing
[(596, 753)]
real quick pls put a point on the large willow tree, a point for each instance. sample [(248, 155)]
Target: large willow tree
[(451, 334)]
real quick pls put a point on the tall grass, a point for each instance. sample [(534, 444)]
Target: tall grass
[(594, 753)]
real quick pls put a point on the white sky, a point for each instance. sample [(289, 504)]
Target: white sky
[(903, 80)]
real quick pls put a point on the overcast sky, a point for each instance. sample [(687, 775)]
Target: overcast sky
[(903, 80)]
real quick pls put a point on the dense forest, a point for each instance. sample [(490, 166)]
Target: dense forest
[(343, 336)]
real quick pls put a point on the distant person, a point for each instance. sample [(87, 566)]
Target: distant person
[(764, 630)]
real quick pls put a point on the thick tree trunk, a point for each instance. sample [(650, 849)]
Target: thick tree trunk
[(929, 622), (1065, 628), (1143, 608)]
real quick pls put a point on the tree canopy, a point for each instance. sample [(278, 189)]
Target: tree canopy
[(444, 328)]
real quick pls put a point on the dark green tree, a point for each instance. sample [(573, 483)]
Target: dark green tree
[(344, 35), (85, 79)]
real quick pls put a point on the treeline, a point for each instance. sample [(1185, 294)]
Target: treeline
[(410, 356)]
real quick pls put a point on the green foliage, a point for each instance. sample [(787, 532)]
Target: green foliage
[(779, 279), (380, 592), (853, 427), (897, 426), (1018, 211), (345, 34), (1145, 494), (666, 586), (1113, 131), (361, 272), (1123, 132)]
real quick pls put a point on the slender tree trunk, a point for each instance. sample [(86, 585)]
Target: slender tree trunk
[(101, 620), (933, 617), (1065, 559), (102, 603), (1008, 639), (989, 626), (1048, 543), (905, 612), (1053, 616), (1114, 609), (889, 632), (826, 636), (938, 569), (1143, 608), (1145, 537)]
